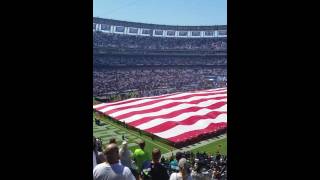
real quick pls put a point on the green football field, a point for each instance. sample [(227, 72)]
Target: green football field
[(212, 148), (110, 129), (114, 130)]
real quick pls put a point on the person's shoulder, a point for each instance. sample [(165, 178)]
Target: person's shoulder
[(136, 150), (100, 166), (126, 170), (173, 174)]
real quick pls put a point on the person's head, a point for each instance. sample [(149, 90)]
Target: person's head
[(178, 156), (102, 157), (124, 147), (183, 166), (124, 144), (112, 153), (112, 141), (162, 160), (141, 143), (171, 158), (123, 152), (156, 154), (197, 167)]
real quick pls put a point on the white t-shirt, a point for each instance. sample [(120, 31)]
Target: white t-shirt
[(94, 159), (105, 171), (178, 176)]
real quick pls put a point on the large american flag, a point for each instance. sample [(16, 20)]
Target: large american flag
[(176, 117)]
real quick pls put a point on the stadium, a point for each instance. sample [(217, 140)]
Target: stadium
[(164, 84)]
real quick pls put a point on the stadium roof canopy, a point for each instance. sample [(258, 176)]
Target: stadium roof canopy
[(157, 26)]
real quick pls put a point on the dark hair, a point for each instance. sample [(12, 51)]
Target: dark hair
[(112, 141), (198, 168), (179, 155), (171, 158), (141, 144), (99, 145), (156, 154)]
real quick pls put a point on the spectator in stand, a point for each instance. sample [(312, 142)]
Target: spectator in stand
[(164, 43), (163, 81), (100, 158), (174, 163), (183, 171), (218, 156), (125, 155), (163, 160), (179, 155), (216, 175), (196, 173), (126, 158), (112, 169), (140, 156), (154, 170)]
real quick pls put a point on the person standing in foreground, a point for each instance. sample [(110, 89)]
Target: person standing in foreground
[(125, 155), (112, 169), (154, 170), (183, 171), (125, 158), (140, 156)]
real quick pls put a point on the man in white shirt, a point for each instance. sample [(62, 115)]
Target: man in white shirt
[(112, 169)]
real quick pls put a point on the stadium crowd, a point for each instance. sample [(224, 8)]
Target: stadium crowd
[(149, 81), (146, 42), (117, 60), (113, 163)]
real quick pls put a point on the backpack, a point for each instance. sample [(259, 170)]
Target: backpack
[(146, 170)]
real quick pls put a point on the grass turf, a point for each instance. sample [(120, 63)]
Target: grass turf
[(219, 145), (114, 130)]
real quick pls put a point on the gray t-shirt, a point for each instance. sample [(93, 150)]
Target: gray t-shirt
[(116, 171), (125, 157), (178, 176)]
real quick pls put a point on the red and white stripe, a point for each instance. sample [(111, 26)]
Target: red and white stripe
[(175, 117)]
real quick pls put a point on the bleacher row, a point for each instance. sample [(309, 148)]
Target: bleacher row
[(145, 60), (150, 81), (101, 39)]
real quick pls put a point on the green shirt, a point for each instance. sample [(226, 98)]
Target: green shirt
[(140, 156)]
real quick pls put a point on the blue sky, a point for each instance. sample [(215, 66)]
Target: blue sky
[(169, 12)]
